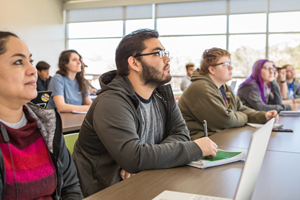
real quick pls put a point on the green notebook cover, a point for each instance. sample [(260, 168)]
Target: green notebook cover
[(222, 155)]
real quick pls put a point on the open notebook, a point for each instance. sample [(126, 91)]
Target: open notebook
[(250, 173)]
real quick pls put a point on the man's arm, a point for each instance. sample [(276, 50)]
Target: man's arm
[(254, 116)]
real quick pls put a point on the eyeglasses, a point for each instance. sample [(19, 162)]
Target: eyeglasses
[(270, 68), (161, 54), (225, 64)]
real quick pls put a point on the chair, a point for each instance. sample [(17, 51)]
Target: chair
[(70, 140)]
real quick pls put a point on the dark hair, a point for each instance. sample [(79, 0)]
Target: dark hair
[(42, 65), (131, 45), (189, 65), (210, 57), (285, 66), (4, 36), (63, 60)]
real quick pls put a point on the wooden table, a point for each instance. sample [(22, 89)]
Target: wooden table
[(71, 122), (279, 141), (279, 177)]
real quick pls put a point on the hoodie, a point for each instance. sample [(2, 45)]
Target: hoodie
[(109, 136), (202, 100), (250, 95)]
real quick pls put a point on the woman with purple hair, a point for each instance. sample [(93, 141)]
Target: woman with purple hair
[(260, 91)]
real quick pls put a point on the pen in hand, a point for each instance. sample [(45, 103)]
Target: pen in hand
[(206, 134), (205, 128)]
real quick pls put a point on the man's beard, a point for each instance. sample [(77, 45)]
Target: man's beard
[(152, 77)]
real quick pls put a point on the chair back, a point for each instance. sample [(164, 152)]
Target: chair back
[(70, 140)]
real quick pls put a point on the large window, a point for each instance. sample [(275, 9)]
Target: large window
[(248, 29)]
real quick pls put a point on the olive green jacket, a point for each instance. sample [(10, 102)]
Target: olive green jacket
[(202, 100)]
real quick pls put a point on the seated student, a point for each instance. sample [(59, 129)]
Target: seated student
[(187, 79), (43, 76), (69, 91), (134, 123), (292, 86), (34, 160), (261, 91), (209, 98)]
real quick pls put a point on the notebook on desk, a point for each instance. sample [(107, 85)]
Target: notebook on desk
[(256, 153), (42, 98)]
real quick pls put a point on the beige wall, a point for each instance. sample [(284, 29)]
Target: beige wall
[(39, 23)]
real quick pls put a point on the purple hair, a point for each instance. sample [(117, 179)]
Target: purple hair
[(256, 75)]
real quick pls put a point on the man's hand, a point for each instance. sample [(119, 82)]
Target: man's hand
[(272, 114), (125, 174), (208, 147)]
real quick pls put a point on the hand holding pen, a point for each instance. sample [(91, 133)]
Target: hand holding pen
[(208, 147), (205, 128)]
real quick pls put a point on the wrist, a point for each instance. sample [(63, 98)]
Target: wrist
[(283, 81)]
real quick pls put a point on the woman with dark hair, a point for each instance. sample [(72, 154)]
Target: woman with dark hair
[(69, 92), (209, 98), (260, 91), (34, 161)]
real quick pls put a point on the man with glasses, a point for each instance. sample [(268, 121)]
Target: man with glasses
[(134, 123)]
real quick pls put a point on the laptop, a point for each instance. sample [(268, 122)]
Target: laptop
[(256, 153), (42, 98), (232, 85)]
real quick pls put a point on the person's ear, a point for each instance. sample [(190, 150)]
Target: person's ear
[(211, 70), (133, 64)]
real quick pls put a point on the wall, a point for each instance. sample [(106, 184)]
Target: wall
[(39, 23)]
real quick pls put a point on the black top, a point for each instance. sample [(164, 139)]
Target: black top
[(42, 85)]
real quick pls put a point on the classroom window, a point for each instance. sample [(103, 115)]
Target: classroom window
[(249, 23), (245, 50), (284, 22), (95, 29), (132, 25), (98, 54), (192, 25), (189, 49), (285, 49)]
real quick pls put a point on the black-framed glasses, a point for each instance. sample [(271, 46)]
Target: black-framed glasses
[(161, 54), (270, 68), (225, 64)]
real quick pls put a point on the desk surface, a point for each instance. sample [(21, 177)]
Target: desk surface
[(278, 179), (279, 141), (71, 122)]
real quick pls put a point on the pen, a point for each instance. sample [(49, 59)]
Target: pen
[(205, 128)]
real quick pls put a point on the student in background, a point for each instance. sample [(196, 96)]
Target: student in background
[(187, 79), (43, 76), (69, 91), (34, 160), (209, 98), (292, 86), (261, 91), (134, 123)]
